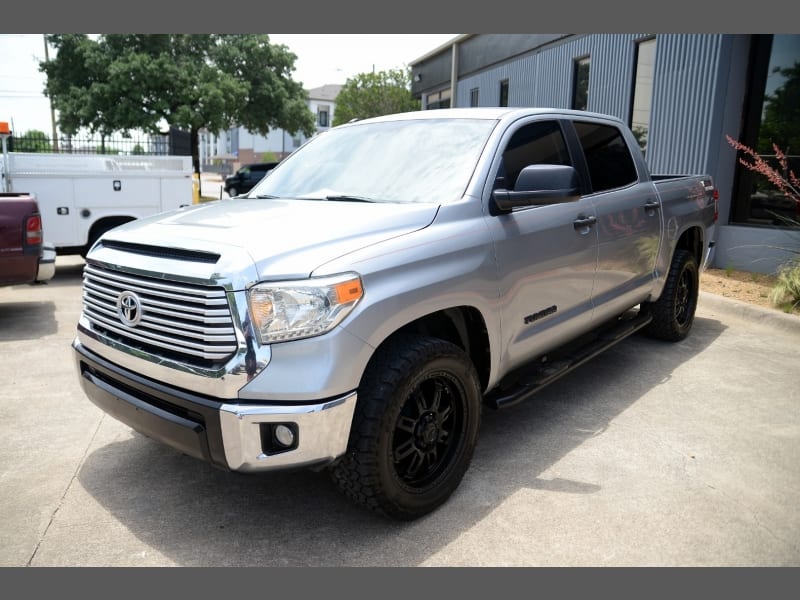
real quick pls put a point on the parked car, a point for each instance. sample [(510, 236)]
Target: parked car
[(360, 306), (24, 256), (246, 177)]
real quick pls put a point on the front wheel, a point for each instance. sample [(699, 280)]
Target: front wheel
[(232, 192), (673, 313), (415, 428)]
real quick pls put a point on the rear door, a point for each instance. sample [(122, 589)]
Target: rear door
[(546, 255), (628, 219)]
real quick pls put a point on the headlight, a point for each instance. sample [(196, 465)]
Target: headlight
[(291, 310)]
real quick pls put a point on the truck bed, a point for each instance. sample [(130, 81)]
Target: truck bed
[(20, 244)]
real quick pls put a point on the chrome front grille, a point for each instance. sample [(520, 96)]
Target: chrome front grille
[(180, 321)]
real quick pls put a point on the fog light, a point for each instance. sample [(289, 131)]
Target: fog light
[(284, 436)]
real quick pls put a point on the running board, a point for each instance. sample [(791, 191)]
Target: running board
[(538, 375)]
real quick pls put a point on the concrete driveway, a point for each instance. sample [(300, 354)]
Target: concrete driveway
[(652, 454)]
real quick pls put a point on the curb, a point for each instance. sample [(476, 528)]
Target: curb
[(762, 316)]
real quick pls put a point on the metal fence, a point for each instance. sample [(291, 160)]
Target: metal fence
[(174, 142)]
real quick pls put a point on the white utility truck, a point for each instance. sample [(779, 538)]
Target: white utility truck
[(81, 196)]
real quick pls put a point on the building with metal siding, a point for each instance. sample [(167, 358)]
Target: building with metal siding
[(703, 87)]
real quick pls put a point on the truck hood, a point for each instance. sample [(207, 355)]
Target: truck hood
[(284, 238)]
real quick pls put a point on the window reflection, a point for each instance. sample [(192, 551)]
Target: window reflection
[(440, 99), (580, 84), (504, 92), (643, 91), (773, 118)]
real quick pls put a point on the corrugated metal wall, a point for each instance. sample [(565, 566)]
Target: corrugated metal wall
[(686, 72), (544, 78)]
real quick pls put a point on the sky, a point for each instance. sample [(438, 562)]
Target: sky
[(321, 59)]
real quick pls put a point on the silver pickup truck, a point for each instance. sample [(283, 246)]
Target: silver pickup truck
[(390, 278)]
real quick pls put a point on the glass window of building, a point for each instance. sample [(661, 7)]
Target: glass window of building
[(504, 93), (473, 97), (440, 99), (322, 116), (772, 116), (643, 90), (580, 84)]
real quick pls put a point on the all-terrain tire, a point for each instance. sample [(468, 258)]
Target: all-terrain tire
[(673, 313), (415, 428)]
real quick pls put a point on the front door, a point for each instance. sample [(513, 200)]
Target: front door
[(546, 258)]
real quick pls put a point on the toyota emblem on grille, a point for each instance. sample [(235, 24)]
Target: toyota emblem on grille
[(129, 308)]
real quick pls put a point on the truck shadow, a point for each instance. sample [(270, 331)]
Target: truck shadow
[(198, 516), (27, 320), (27, 311)]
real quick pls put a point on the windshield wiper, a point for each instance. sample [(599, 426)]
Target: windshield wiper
[(346, 198), (265, 197)]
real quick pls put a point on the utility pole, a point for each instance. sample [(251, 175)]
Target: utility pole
[(52, 112)]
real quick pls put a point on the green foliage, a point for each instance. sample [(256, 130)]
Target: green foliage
[(137, 150), (786, 292), (581, 101), (269, 157), (375, 94), (781, 121), (32, 141), (76, 84), (780, 124), (120, 82), (640, 133)]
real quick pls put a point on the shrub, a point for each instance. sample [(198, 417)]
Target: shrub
[(786, 292)]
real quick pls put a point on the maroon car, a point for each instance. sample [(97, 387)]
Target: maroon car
[(24, 257)]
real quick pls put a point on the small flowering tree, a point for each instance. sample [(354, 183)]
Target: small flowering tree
[(787, 289), (785, 180)]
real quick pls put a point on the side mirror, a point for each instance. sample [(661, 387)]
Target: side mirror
[(539, 185)]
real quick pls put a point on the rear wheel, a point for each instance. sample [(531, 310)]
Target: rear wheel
[(232, 192), (415, 428), (673, 313)]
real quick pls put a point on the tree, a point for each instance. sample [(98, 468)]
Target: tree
[(32, 141), (120, 82), (781, 118), (640, 133), (375, 94), (269, 157)]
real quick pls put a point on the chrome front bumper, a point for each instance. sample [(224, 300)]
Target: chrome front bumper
[(233, 436), (321, 431)]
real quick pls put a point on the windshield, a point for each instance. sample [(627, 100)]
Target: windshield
[(426, 160)]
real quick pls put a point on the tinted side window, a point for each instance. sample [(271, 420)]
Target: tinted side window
[(533, 144), (607, 156)]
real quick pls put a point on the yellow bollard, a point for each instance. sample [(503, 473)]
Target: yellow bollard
[(195, 188)]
